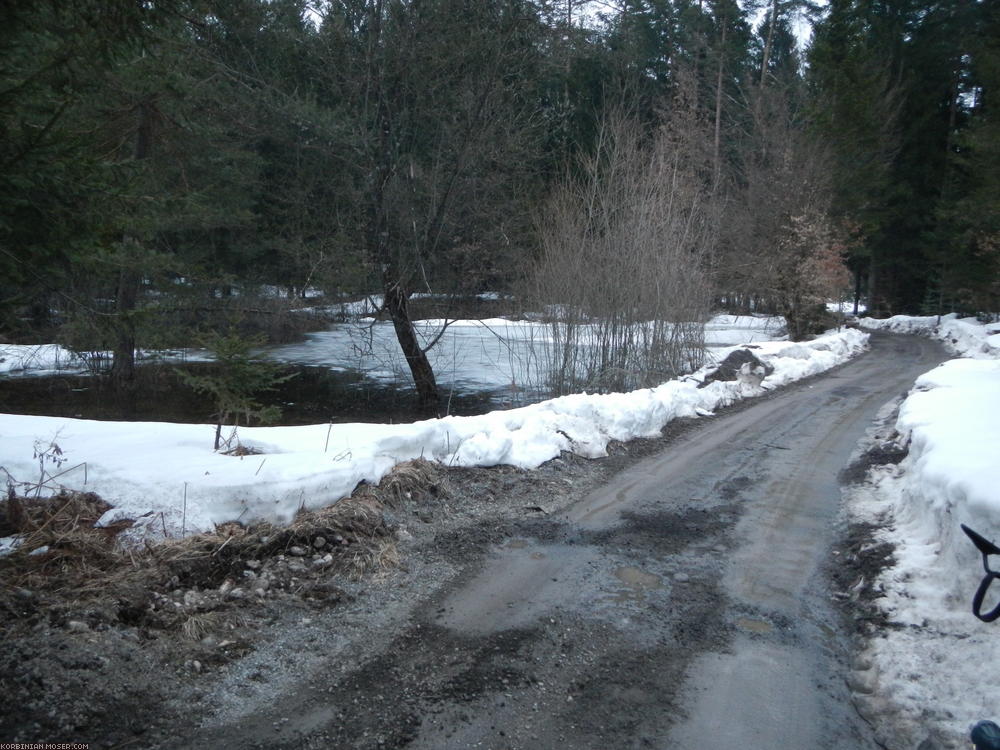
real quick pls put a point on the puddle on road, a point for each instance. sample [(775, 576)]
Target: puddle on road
[(761, 627), (638, 582), (638, 578)]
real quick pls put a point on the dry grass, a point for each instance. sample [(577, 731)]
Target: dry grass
[(65, 557), (408, 481)]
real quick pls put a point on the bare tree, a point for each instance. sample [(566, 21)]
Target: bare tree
[(781, 250), (626, 249)]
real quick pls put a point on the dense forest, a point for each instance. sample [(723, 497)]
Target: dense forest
[(165, 160)]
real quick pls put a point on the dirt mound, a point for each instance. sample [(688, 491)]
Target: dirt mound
[(82, 618)]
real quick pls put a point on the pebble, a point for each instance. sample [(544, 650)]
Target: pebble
[(77, 626), (297, 551), (319, 542), (253, 564), (681, 577)]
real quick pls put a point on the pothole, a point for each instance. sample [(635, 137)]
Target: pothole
[(638, 578), (761, 627)]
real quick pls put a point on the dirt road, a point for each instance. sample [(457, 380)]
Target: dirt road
[(681, 604)]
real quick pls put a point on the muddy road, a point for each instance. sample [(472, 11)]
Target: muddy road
[(682, 603)]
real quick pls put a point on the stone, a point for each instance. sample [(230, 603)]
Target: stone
[(740, 365)]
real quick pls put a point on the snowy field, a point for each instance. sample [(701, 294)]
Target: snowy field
[(168, 477), (936, 671)]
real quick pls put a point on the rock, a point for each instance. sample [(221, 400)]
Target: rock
[(226, 586), (237, 593), (252, 564), (77, 626), (24, 594), (681, 577), (739, 365), (319, 542), (196, 665), (297, 551)]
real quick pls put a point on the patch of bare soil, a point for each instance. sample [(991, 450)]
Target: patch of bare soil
[(85, 622)]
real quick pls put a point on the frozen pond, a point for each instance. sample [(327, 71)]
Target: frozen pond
[(496, 355)]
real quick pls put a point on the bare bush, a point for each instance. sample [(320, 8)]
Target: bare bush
[(626, 248)]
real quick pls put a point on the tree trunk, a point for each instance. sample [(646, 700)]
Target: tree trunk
[(716, 156), (857, 288), (416, 357), (769, 41), (123, 364), (127, 297)]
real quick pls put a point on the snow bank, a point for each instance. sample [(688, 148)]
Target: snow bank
[(966, 337), (167, 475), (929, 668)]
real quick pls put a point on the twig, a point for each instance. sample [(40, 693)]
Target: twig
[(228, 540), (328, 431), (184, 512), (260, 467)]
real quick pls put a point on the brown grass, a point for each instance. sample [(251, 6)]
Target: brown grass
[(81, 562)]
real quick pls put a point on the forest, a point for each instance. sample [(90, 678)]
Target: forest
[(176, 167)]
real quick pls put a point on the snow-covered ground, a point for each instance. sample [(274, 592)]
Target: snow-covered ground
[(936, 671), (168, 477)]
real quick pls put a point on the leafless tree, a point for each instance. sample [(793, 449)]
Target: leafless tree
[(626, 250)]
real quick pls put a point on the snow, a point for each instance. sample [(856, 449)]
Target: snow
[(53, 359), (168, 477), (966, 337), (929, 667), (477, 355), (38, 358)]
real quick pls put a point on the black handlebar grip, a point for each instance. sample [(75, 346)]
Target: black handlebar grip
[(977, 600)]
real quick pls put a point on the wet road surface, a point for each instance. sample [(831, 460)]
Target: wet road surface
[(680, 605)]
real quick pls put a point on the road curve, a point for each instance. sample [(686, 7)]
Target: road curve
[(680, 605)]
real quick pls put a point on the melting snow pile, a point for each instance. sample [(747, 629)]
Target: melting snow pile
[(936, 670), (167, 475)]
